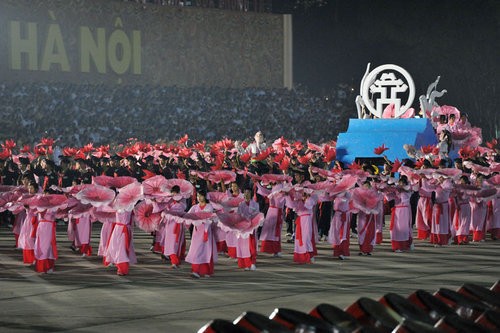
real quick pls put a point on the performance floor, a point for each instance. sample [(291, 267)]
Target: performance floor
[(83, 296)]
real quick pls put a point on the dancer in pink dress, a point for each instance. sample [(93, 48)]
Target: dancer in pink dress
[(230, 236), (305, 239), (270, 235), (423, 219), (45, 242), (246, 247), (81, 232), (401, 221), (174, 245), (28, 229), (202, 253), (462, 216), (340, 226), (120, 247), (493, 216), (440, 228), (479, 209), (367, 201)]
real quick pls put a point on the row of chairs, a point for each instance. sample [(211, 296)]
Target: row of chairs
[(471, 308)]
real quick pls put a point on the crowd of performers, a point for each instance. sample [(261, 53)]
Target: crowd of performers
[(234, 199)]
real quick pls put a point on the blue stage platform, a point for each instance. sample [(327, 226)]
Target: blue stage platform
[(364, 135)]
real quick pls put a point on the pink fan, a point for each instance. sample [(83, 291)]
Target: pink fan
[(447, 172), (70, 204), (365, 200), (324, 173), (448, 110), (236, 222), (155, 186), (7, 188), (96, 195), (255, 222), (18, 206), (101, 180), (74, 189), (486, 194), (347, 182), (322, 186), (232, 221), (427, 173), (466, 188), (128, 196), (173, 214), (104, 214), (8, 198), (485, 150), (413, 177), (216, 197), (495, 167), (120, 182), (115, 182), (48, 201), (186, 188), (232, 201), (495, 180), (145, 218), (297, 191), (477, 168), (198, 218), (199, 174), (225, 176), (481, 169), (274, 178), (15, 208), (80, 209), (360, 174), (459, 136), (246, 173)]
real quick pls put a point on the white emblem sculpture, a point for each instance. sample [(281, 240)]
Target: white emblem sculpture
[(383, 84), (427, 102)]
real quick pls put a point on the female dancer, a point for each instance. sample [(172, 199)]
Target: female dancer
[(202, 252)]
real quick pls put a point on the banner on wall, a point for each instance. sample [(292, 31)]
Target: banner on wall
[(109, 42)]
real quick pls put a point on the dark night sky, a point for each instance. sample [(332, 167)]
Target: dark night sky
[(457, 39)]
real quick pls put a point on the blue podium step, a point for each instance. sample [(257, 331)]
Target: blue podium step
[(364, 135)]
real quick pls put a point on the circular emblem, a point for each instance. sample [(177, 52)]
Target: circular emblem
[(384, 83)]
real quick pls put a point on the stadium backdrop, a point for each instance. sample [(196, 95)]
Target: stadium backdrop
[(113, 42)]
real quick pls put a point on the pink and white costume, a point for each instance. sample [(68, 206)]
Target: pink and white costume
[(45, 242), (246, 247), (174, 245), (423, 219), (401, 221), (479, 209), (462, 218), (493, 217), (440, 228), (27, 236), (305, 238), (81, 231), (340, 226), (202, 253), (270, 235), (159, 234), (18, 223), (120, 249)]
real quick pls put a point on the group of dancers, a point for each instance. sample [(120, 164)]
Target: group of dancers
[(237, 200)]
